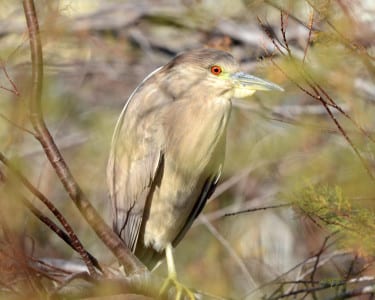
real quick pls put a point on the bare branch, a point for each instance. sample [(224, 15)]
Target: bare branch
[(77, 245), (56, 229), (257, 209), (310, 26), (113, 242), (284, 23), (319, 94), (230, 250)]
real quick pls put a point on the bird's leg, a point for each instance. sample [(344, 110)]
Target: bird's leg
[(172, 278)]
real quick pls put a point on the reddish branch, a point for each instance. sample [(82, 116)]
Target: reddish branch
[(310, 26), (76, 244), (113, 242), (55, 228), (317, 93)]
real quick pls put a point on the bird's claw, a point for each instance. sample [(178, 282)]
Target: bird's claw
[(179, 287)]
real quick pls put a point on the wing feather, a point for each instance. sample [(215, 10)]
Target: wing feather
[(136, 154), (207, 191)]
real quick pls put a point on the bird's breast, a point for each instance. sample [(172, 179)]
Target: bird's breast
[(194, 152), (195, 129)]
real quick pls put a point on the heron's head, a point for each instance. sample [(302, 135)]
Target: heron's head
[(211, 72)]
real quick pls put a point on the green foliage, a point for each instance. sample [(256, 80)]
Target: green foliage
[(329, 207)]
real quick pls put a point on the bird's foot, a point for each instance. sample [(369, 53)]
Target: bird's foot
[(181, 291)]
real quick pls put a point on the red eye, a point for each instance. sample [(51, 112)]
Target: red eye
[(216, 70)]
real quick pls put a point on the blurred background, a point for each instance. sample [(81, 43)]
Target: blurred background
[(305, 173)]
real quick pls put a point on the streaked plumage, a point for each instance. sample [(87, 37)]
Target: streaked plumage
[(168, 148)]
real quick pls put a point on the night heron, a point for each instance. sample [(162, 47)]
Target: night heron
[(168, 149)]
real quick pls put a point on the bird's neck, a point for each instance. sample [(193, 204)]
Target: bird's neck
[(199, 129)]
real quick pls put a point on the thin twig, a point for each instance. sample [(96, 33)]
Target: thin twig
[(217, 214), (295, 18), (230, 249), (344, 134), (334, 104), (310, 26), (284, 24), (271, 37), (77, 245), (257, 209), (14, 88), (320, 95), (230, 182), (317, 258), (56, 229), (16, 125), (299, 265)]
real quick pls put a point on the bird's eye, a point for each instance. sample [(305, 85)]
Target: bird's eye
[(216, 70)]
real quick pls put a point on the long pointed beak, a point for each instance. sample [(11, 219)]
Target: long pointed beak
[(253, 83)]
